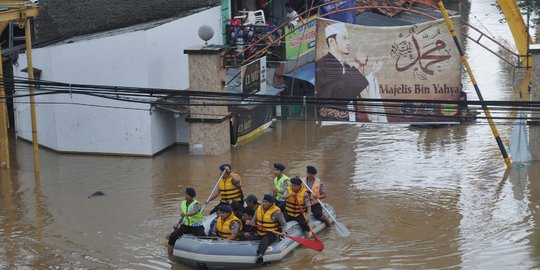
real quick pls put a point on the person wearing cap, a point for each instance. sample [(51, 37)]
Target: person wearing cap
[(267, 216), (190, 220), (228, 226), (251, 203), (230, 189), (298, 205), (247, 214), (336, 77), (319, 193), (281, 182)]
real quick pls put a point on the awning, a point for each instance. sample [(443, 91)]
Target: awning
[(306, 73)]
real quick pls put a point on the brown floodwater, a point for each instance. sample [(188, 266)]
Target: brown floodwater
[(412, 198)]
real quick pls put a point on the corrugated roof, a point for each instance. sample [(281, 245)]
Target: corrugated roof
[(399, 5), (403, 17), (390, 12)]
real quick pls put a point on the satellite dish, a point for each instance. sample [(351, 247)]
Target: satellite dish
[(206, 33)]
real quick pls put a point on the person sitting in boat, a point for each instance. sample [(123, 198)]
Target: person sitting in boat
[(190, 220), (228, 226), (319, 193), (247, 214), (251, 203), (237, 208), (268, 218), (247, 231), (281, 182), (230, 188), (298, 205)]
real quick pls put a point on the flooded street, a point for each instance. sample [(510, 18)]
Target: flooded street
[(412, 198)]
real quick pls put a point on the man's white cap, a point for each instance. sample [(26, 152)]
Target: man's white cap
[(336, 28)]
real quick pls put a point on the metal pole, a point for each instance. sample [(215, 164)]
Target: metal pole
[(28, 37), (476, 88), (4, 142)]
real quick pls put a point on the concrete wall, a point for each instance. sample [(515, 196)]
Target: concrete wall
[(61, 19), (182, 130), (208, 73), (140, 58)]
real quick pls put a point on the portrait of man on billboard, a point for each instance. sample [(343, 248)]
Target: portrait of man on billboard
[(358, 65), (340, 75)]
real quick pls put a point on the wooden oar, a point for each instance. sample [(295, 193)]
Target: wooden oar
[(204, 206), (312, 244), (342, 230), (217, 183)]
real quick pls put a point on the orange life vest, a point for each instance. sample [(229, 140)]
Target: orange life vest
[(316, 188)]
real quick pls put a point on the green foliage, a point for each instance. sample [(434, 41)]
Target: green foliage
[(532, 6)]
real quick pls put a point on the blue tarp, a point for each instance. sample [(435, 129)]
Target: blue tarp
[(306, 73), (345, 16)]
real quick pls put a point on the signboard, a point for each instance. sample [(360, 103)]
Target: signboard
[(253, 76), (406, 62), (301, 40), (225, 17)]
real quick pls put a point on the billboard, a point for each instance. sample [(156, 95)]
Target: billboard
[(405, 62), (253, 76), (301, 40)]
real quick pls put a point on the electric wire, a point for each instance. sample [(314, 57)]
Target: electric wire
[(155, 96)]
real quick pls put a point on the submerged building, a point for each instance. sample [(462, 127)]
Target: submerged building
[(111, 43)]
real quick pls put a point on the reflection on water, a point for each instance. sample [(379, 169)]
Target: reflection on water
[(412, 198)]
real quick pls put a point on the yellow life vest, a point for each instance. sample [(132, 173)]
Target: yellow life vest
[(316, 188), (291, 206), (223, 227), (228, 191), (264, 219)]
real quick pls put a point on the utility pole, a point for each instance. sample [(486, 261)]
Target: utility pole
[(476, 88), (534, 128), (31, 89), (20, 11), (4, 142)]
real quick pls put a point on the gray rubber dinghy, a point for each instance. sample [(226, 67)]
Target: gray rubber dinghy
[(207, 253)]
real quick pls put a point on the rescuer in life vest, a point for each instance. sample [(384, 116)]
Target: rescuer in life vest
[(269, 217), (229, 188), (228, 226), (190, 220), (281, 182), (319, 193), (298, 205)]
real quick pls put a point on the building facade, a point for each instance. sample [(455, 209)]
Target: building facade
[(147, 55)]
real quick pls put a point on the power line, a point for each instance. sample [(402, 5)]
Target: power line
[(156, 96)]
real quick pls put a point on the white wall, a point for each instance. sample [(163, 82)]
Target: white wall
[(151, 58), (168, 65)]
